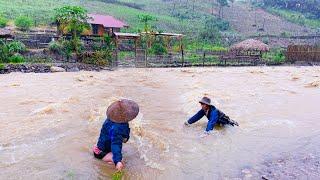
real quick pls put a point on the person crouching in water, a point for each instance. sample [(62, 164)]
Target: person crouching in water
[(214, 115), (115, 131)]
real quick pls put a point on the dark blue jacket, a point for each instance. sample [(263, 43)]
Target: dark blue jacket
[(111, 137), (212, 118)]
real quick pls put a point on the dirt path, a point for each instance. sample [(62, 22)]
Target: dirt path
[(247, 20)]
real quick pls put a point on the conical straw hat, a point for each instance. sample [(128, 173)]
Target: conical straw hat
[(123, 111)]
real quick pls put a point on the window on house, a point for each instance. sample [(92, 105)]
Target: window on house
[(95, 28)]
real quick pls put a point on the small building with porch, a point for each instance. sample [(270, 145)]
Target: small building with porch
[(104, 24)]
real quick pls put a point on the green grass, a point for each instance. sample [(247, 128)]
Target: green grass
[(2, 66), (42, 12), (204, 46), (296, 17), (190, 23)]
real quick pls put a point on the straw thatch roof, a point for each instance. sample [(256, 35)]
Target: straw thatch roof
[(250, 45), (5, 33)]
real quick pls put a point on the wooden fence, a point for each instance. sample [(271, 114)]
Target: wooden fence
[(303, 53)]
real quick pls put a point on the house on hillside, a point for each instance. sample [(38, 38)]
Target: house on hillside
[(101, 24)]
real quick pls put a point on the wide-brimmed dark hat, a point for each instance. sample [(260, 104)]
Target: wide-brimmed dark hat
[(123, 111), (205, 100)]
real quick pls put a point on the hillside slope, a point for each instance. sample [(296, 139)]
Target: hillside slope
[(178, 16), (247, 20), (128, 11)]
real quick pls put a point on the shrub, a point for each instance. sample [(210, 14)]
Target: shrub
[(4, 52), (2, 66), (17, 58), (3, 22), (158, 49), (100, 58), (24, 23), (276, 56), (16, 47), (9, 50), (55, 47), (67, 49)]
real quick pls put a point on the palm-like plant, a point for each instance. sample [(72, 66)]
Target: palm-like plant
[(72, 20)]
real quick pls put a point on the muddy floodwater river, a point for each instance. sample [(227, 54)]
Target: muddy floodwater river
[(50, 122)]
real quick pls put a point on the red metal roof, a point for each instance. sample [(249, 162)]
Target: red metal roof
[(106, 21)]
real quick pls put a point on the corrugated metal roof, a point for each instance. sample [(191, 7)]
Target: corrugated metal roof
[(126, 34), (106, 21)]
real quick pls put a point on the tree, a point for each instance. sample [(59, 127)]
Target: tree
[(73, 20), (146, 18), (210, 33), (222, 3)]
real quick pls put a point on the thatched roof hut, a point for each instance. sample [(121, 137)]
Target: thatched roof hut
[(5, 33), (250, 45)]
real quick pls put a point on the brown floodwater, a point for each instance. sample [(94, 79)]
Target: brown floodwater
[(49, 122)]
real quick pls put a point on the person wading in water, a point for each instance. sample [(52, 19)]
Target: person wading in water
[(214, 115), (115, 131)]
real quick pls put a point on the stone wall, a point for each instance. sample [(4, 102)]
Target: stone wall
[(46, 68)]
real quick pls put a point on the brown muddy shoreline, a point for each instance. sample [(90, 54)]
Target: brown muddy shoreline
[(75, 67)]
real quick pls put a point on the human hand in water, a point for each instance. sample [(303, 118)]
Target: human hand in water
[(187, 124), (204, 134), (119, 166)]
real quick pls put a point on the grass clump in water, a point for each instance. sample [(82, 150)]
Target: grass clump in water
[(117, 175)]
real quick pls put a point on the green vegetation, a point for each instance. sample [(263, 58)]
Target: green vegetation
[(102, 54), (2, 66), (195, 45), (296, 17), (73, 20), (10, 52), (310, 8), (24, 23), (198, 59), (16, 58), (63, 47), (146, 19), (16, 47), (223, 3), (3, 21), (117, 175), (303, 12), (158, 47), (275, 56), (202, 30), (172, 16)]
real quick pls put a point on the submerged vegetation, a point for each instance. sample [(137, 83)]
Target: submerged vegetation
[(117, 175)]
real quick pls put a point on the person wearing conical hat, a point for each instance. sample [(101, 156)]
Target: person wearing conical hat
[(115, 131), (214, 115)]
